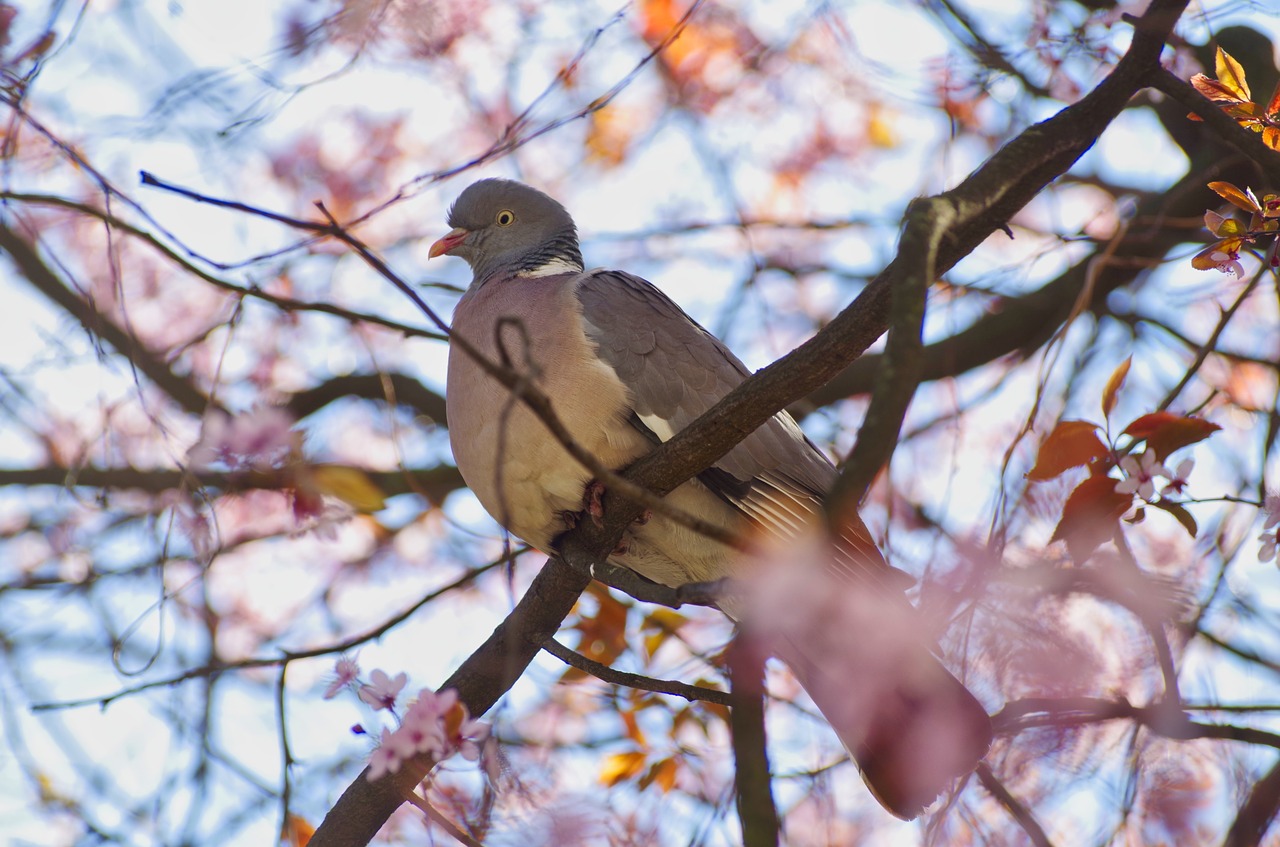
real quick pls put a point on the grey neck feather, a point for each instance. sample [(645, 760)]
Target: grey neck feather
[(561, 248)]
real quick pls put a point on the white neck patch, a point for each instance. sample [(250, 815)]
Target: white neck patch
[(551, 268)]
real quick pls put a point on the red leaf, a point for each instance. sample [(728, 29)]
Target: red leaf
[(1070, 445), (1180, 512), (1273, 107), (1214, 90), (1091, 516), (1113, 386), (1166, 432)]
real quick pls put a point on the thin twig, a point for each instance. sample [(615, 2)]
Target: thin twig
[(439, 818), (271, 661), (1013, 806), (574, 659)]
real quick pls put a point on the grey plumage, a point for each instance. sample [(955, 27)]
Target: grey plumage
[(626, 368)]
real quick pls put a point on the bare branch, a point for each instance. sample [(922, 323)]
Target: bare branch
[(179, 388), (1258, 812), (756, 809), (574, 659), (1013, 806)]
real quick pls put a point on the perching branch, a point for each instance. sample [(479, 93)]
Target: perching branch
[(984, 202)]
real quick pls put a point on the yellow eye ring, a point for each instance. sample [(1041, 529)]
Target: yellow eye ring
[(506, 217)]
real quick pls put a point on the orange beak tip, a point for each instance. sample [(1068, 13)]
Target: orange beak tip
[(447, 243)]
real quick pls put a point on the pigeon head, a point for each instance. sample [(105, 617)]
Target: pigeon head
[(502, 225)]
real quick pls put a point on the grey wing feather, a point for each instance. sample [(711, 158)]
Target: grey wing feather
[(675, 371)]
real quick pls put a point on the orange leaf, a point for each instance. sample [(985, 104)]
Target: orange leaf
[(1070, 445), (621, 766), (663, 773), (633, 728), (1235, 196), (604, 635), (1166, 432), (1213, 90), (298, 831), (1091, 516), (1113, 386), (609, 135), (1231, 74), (1205, 261), (1271, 137)]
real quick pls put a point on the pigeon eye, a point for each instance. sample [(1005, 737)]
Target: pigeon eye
[(506, 217)]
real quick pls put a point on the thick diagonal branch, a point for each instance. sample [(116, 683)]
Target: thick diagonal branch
[(182, 390)]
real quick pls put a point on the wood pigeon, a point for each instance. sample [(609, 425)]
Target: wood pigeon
[(626, 368)]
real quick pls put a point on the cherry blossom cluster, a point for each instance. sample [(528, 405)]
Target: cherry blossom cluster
[(259, 439), (434, 724), (1140, 473)]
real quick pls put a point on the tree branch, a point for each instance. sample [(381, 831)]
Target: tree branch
[(756, 809), (1257, 813), (434, 483), (481, 680), (574, 659), (985, 201), (1248, 143), (928, 222), (179, 388), (1019, 812)]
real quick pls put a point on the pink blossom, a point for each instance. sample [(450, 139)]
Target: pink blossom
[(425, 729), (1227, 263), (1140, 474), (1178, 480), (345, 671), (387, 758), (381, 692), (472, 736), (258, 439), (1271, 510), (423, 726), (1267, 552)]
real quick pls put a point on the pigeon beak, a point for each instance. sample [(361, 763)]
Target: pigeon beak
[(448, 243)]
